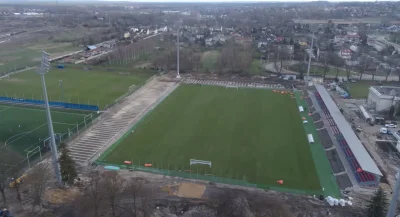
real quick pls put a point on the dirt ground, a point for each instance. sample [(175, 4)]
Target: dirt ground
[(191, 190)]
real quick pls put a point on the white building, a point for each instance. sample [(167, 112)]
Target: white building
[(381, 98), (397, 136)]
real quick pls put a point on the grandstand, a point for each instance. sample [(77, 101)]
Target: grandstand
[(363, 168)]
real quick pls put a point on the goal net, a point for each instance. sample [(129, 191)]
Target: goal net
[(193, 162), (235, 87), (46, 142)]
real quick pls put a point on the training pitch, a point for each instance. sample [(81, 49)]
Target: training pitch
[(254, 135), (94, 85), (24, 129)]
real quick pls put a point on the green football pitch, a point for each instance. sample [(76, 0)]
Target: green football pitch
[(24, 128), (254, 135), (96, 87)]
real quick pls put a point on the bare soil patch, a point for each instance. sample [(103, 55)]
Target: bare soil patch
[(61, 196), (191, 190)]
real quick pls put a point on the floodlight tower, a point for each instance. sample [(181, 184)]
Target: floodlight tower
[(177, 52), (60, 83), (44, 68), (309, 58)]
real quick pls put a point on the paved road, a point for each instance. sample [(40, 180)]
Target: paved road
[(104, 53), (270, 67)]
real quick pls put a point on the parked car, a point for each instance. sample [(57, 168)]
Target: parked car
[(391, 125)]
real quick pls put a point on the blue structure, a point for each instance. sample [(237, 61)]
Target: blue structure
[(52, 104), (60, 66)]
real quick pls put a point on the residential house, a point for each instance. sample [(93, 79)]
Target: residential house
[(262, 44), (353, 37), (303, 43), (345, 53), (209, 41)]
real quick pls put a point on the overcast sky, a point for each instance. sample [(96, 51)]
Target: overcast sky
[(239, 0)]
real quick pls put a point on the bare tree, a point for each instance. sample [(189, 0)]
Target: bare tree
[(348, 71), (95, 192), (8, 161), (196, 61), (336, 61), (38, 180), (4, 166), (114, 186), (397, 70), (388, 72), (326, 66), (141, 197), (237, 58), (281, 58), (362, 67), (17, 182)]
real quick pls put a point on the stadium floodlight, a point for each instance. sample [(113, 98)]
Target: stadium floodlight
[(309, 59), (44, 68), (60, 83), (177, 52)]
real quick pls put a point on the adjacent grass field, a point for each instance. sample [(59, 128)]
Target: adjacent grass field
[(360, 89), (319, 70), (248, 134), (96, 87), (23, 128)]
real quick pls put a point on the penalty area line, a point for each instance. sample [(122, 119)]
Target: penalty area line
[(61, 123), (25, 133), (5, 109)]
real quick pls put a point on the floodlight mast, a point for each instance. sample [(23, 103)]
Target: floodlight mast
[(309, 58), (44, 68), (177, 52)]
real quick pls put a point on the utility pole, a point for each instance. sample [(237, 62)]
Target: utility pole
[(309, 58), (177, 53), (44, 68)]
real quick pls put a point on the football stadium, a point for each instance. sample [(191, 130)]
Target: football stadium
[(252, 137)]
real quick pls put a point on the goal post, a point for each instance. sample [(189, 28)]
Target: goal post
[(230, 86), (193, 161), (33, 152), (201, 162)]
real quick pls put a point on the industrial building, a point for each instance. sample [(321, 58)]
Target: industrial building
[(381, 98)]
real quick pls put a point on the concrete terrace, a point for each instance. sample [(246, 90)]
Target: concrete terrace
[(118, 121)]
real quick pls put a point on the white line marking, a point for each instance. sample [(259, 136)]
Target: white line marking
[(51, 111), (5, 109), (64, 123), (26, 133)]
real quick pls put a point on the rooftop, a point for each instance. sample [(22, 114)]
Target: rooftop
[(362, 156), (388, 90)]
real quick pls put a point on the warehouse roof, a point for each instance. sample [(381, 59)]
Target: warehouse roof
[(358, 149)]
